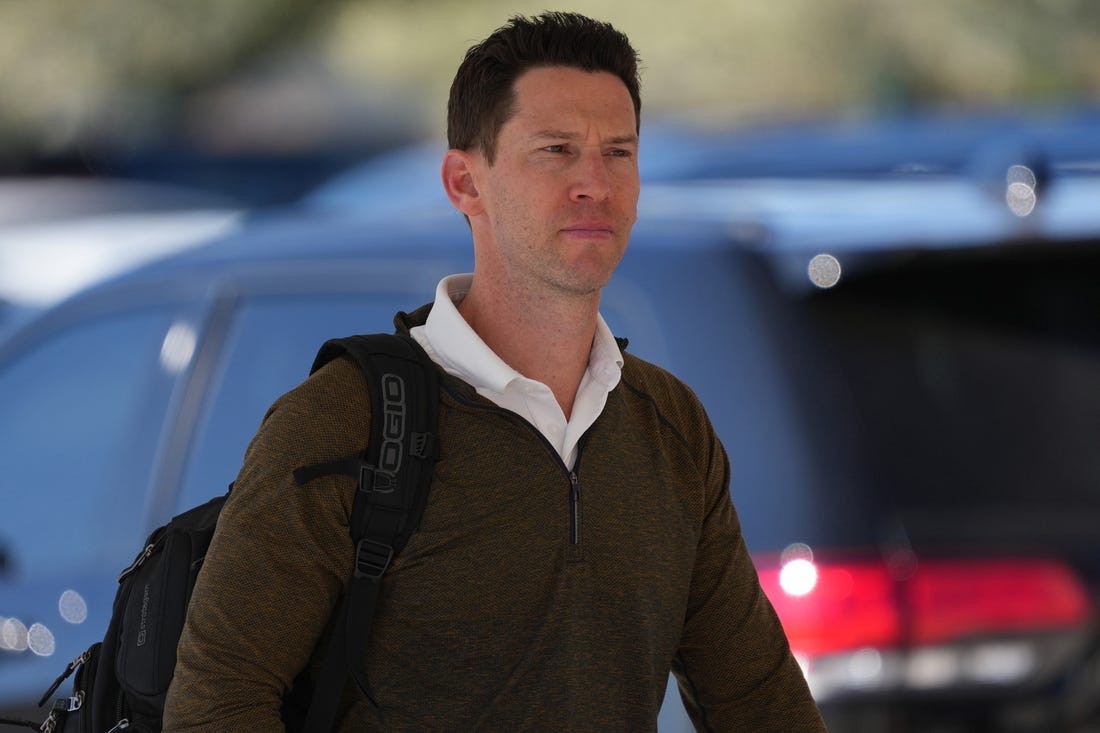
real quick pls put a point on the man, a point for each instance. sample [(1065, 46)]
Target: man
[(510, 608)]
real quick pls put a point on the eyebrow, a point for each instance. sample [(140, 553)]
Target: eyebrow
[(562, 135)]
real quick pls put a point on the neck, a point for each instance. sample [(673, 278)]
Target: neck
[(547, 339)]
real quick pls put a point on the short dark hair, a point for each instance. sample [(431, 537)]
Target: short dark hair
[(483, 92)]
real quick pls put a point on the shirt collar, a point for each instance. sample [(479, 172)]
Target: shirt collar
[(461, 352)]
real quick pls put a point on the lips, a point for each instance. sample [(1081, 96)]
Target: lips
[(594, 229)]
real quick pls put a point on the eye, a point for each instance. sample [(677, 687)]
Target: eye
[(554, 148)]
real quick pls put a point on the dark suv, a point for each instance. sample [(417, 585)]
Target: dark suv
[(905, 373)]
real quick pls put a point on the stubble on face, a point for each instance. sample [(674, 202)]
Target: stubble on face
[(539, 254), (562, 192)]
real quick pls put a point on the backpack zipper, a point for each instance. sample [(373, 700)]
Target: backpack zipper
[(140, 559)]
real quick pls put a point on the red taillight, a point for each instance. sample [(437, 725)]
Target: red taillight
[(852, 605), (952, 599)]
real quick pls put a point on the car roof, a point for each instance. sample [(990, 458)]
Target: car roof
[(858, 215), (971, 144), (787, 222)]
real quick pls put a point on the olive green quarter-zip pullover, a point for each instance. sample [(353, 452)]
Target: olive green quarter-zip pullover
[(533, 597)]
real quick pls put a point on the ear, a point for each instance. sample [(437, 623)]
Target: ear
[(459, 181)]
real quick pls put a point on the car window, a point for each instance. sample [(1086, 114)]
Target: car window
[(269, 350), (979, 388), (81, 414)]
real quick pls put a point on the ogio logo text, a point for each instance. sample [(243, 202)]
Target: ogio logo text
[(393, 423)]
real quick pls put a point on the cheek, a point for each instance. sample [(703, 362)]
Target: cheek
[(629, 187), (522, 193)]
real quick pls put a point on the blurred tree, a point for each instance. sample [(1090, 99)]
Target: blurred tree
[(80, 71), (87, 72), (727, 61)]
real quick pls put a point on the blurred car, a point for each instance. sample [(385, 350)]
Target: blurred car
[(58, 235), (13, 315), (904, 372), (36, 199)]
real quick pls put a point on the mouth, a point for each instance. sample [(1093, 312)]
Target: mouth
[(589, 230)]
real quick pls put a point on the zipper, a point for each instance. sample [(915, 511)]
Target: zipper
[(574, 509), (141, 558), (574, 479), (82, 659)]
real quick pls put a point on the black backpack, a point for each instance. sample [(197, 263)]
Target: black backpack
[(121, 682)]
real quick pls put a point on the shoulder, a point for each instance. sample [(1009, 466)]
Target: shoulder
[(667, 412), (674, 401), (324, 418)]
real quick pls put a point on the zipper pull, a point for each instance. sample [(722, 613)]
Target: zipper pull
[(84, 657), (137, 562)]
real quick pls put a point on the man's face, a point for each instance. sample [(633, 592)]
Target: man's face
[(561, 195)]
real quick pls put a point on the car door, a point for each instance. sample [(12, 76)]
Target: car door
[(84, 397)]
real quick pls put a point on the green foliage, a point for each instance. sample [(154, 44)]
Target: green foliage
[(80, 70)]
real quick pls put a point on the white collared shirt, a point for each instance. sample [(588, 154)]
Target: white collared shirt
[(452, 344)]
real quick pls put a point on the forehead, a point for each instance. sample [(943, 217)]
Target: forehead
[(571, 97)]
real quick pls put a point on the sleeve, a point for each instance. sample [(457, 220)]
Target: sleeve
[(734, 666), (276, 566)]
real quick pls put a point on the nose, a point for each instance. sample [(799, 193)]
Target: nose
[(592, 180)]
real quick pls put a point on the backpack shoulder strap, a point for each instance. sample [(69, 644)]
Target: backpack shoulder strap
[(394, 478)]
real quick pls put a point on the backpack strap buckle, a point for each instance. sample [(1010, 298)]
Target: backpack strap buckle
[(372, 558), (375, 481)]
